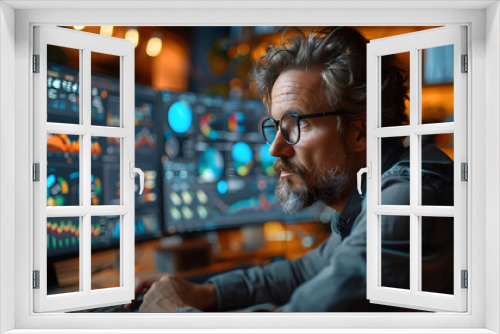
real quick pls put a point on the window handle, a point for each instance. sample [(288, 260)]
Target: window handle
[(133, 171), (368, 171)]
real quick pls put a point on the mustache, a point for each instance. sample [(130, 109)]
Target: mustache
[(284, 163)]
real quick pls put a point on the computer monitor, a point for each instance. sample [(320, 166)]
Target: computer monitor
[(63, 162), (217, 170), (438, 65), (148, 206)]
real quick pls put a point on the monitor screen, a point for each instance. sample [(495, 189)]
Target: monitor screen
[(63, 179), (148, 209), (217, 170), (438, 65)]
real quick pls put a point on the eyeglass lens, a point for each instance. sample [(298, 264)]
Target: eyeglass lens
[(269, 131), (289, 129)]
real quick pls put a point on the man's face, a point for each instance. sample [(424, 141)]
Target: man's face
[(314, 168)]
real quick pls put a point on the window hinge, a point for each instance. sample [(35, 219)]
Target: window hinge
[(36, 279), (36, 63), (465, 171), (465, 279), (36, 172), (465, 63)]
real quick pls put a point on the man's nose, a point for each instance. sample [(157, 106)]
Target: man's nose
[(280, 148)]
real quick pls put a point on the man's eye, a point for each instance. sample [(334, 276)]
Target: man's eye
[(302, 122)]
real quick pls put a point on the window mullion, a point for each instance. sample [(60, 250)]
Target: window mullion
[(107, 131), (68, 129), (414, 164), (85, 158)]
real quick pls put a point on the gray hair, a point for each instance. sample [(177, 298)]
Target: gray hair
[(339, 56)]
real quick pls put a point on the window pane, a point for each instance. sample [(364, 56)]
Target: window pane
[(105, 89), (395, 257), (437, 254), (391, 113), (63, 85), (63, 255), (63, 170), (437, 85), (105, 265), (395, 169), (437, 156), (106, 157)]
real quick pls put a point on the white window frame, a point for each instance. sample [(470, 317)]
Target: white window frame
[(414, 44), (86, 43), (483, 20)]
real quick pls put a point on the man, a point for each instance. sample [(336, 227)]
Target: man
[(315, 90)]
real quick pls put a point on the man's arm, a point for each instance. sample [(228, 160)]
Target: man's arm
[(273, 283), (341, 285), (237, 289)]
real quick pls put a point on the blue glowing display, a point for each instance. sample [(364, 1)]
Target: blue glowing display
[(180, 117), (222, 187)]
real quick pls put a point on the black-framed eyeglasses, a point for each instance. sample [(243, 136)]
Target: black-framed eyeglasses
[(290, 126)]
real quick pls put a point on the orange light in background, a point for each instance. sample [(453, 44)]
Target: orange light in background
[(170, 70), (153, 48), (232, 52), (276, 231), (273, 231), (243, 50), (259, 51), (107, 31), (236, 83), (78, 27), (253, 87), (132, 35)]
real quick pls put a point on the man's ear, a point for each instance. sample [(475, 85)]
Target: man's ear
[(357, 135)]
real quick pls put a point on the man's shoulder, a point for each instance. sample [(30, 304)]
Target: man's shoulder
[(436, 175), (435, 165)]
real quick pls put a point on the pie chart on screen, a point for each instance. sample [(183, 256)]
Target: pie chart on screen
[(236, 122), (180, 117), (242, 156), (267, 160), (211, 165), (207, 122)]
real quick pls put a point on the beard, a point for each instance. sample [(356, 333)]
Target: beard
[(330, 188)]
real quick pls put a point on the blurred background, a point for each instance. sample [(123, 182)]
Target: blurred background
[(208, 204)]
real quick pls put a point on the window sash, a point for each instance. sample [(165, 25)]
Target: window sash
[(414, 43), (86, 297)]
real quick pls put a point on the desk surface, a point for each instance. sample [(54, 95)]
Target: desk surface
[(279, 241)]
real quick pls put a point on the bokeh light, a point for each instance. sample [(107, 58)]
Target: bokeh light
[(132, 35), (107, 31), (153, 48)]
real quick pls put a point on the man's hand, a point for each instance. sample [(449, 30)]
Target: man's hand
[(168, 293), (143, 283)]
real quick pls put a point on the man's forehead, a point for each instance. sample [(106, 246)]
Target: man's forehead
[(287, 90), (296, 81), (299, 90)]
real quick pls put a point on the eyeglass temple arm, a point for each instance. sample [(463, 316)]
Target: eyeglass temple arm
[(322, 114)]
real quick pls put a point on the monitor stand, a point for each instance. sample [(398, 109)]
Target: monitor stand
[(181, 253), (253, 237)]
